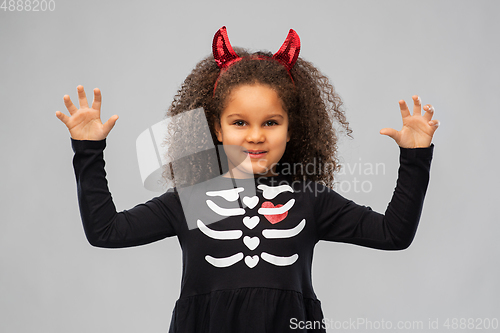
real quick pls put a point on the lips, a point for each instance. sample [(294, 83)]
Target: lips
[(256, 153)]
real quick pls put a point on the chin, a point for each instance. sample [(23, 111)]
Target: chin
[(265, 173)]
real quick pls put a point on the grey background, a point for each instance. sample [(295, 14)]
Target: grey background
[(138, 53)]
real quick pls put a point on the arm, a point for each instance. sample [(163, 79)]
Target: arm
[(103, 225), (342, 220)]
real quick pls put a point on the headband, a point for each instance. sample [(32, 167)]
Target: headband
[(225, 56)]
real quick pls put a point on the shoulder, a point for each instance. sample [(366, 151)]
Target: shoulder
[(170, 196)]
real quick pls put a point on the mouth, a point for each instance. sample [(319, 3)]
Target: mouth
[(255, 153)]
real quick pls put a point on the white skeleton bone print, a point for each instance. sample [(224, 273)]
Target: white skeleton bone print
[(273, 214)]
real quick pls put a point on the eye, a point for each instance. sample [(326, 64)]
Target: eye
[(237, 122), (272, 122), (240, 123)]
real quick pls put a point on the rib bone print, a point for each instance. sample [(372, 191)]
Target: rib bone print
[(272, 213)]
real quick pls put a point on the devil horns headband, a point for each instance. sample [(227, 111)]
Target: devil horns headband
[(225, 56)]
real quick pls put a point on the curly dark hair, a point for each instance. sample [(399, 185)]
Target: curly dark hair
[(310, 100)]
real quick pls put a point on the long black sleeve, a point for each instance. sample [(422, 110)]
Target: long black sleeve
[(342, 220), (103, 225)]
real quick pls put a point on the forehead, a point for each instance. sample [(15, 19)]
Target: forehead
[(254, 99)]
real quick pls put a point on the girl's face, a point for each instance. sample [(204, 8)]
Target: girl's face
[(253, 122)]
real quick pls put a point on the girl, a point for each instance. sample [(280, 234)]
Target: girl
[(248, 234)]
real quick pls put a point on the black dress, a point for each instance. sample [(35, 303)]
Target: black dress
[(247, 244)]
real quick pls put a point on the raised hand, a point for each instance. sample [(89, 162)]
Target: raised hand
[(417, 129), (85, 123)]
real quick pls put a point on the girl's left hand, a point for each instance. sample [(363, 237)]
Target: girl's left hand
[(417, 129)]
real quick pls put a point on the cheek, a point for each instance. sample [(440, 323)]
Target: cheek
[(230, 134), (280, 138), (224, 130)]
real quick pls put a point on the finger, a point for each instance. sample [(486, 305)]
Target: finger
[(435, 123), (391, 133), (429, 112), (62, 117), (434, 126), (417, 105), (82, 98), (69, 105), (108, 126), (96, 105), (404, 109)]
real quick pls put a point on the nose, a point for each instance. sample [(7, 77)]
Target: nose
[(255, 134)]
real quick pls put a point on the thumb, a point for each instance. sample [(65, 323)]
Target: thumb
[(390, 132), (62, 117), (108, 126)]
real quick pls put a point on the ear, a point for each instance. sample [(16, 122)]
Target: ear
[(288, 135), (218, 131)]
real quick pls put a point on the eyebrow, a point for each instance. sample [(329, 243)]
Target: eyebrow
[(239, 115)]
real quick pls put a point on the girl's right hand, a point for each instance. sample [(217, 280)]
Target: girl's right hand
[(85, 123)]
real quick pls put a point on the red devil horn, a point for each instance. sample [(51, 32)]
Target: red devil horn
[(222, 50), (289, 51)]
